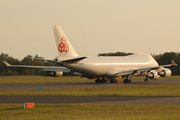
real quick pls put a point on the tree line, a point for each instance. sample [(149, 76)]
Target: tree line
[(162, 59), (5, 71)]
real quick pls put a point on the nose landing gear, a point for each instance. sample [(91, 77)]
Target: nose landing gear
[(146, 79)]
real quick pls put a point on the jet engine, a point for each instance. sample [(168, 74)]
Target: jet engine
[(153, 75), (165, 72), (55, 73)]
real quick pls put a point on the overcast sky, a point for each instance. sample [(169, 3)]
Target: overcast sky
[(92, 26)]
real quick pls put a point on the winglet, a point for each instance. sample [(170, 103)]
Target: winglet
[(7, 64), (173, 63)]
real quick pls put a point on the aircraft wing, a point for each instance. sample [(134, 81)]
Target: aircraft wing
[(42, 59), (142, 70), (45, 68)]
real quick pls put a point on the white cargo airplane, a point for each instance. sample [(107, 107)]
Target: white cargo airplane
[(104, 69)]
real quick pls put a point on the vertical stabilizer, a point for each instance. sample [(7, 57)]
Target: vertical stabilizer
[(64, 47)]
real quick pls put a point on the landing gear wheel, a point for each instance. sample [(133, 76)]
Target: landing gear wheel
[(97, 81), (127, 81), (111, 81), (101, 81), (115, 81), (146, 80)]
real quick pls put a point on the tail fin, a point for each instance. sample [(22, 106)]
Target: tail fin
[(64, 47)]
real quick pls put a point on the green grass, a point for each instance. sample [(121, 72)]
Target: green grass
[(155, 90), (41, 79), (89, 112)]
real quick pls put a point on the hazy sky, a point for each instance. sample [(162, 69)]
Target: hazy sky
[(92, 26)]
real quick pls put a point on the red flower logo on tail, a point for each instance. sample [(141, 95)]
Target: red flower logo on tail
[(63, 46)]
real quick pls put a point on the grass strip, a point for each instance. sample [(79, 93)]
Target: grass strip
[(89, 111), (154, 90)]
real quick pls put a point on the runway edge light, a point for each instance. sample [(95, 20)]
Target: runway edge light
[(28, 105)]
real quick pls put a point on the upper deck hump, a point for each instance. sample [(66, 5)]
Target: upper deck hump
[(136, 58)]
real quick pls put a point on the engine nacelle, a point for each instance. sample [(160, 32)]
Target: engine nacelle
[(55, 73), (153, 75), (165, 72)]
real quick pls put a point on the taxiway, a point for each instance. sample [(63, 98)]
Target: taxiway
[(85, 84), (92, 100)]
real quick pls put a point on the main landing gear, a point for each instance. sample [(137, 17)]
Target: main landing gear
[(111, 80), (146, 79), (127, 80)]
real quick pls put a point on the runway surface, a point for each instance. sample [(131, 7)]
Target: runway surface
[(85, 84), (92, 100)]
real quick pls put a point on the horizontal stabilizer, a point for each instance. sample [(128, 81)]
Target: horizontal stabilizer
[(7, 64)]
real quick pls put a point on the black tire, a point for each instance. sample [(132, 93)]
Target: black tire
[(146, 80), (111, 81)]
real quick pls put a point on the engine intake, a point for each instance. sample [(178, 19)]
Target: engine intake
[(165, 72), (153, 75), (54, 73)]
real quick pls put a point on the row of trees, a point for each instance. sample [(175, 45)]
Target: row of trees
[(21, 71), (115, 54), (162, 59)]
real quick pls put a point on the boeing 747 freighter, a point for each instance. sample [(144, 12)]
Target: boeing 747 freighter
[(103, 69)]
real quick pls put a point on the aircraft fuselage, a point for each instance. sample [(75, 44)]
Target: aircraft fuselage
[(109, 66)]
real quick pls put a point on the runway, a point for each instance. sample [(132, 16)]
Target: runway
[(92, 100), (85, 84)]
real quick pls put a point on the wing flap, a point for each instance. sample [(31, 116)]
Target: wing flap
[(41, 59), (124, 73), (66, 70)]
